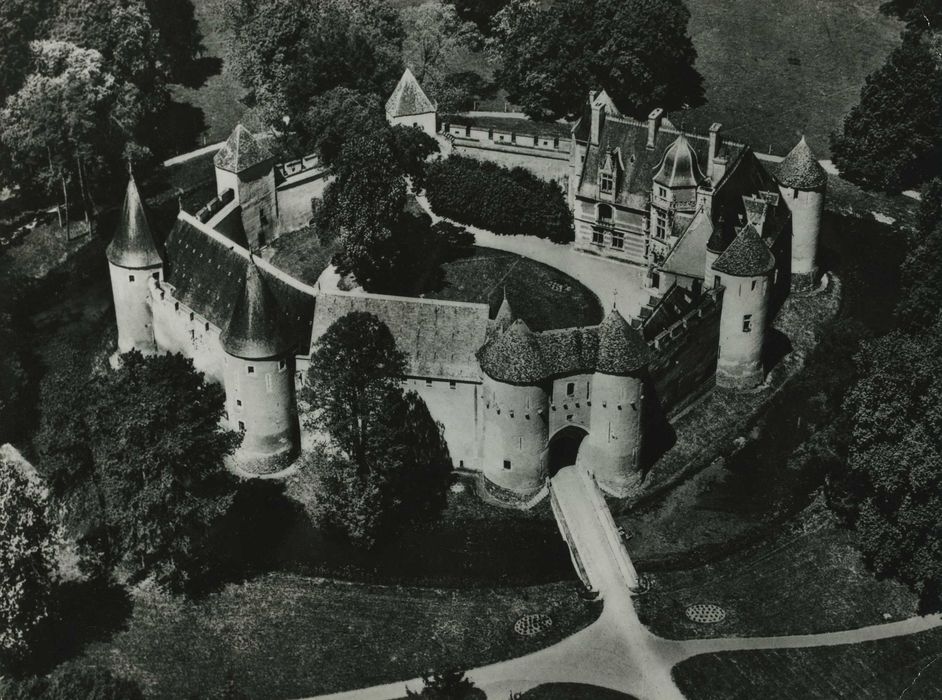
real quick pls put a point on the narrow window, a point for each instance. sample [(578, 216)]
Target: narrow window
[(556, 142), (428, 382), (754, 283), (192, 315), (452, 385), (282, 365), (460, 464), (519, 442), (513, 137), (250, 369), (192, 334), (490, 134), (176, 306), (242, 426), (156, 275), (239, 403), (570, 389), (588, 389), (206, 325), (467, 131), (130, 278), (747, 323), (506, 464), (716, 281)]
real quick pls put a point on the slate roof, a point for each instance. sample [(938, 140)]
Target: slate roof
[(800, 169), (408, 98), (208, 276), (520, 356), (631, 137), (747, 256), (511, 124), (688, 257), (133, 246), (439, 338), (680, 166), (255, 330), (241, 151)]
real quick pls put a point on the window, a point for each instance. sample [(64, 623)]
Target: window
[(556, 143), (747, 323), (605, 214), (452, 385), (206, 326), (490, 134), (467, 131), (176, 306), (506, 464), (428, 382), (460, 464), (130, 278), (282, 365), (192, 334), (618, 240), (660, 225), (513, 137), (598, 236), (519, 442), (754, 283), (238, 403), (156, 275), (661, 191), (242, 426), (607, 183), (716, 281), (192, 316), (250, 369), (588, 389), (570, 389)]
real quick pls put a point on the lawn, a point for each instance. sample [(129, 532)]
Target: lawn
[(302, 255), (905, 668), (542, 296), (808, 577), (287, 636)]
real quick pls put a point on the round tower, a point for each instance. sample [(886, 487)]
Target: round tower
[(802, 183), (515, 405), (258, 378), (612, 449), (133, 260), (246, 167), (745, 273)]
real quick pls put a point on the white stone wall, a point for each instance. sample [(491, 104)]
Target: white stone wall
[(567, 409), (179, 329), (515, 435), (130, 291), (456, 406), (745, 299), (807, 209), (427, 122), (613, 447)]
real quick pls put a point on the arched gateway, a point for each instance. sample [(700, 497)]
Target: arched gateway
[(563, 448)]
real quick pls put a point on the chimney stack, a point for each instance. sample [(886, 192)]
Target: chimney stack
[(716, 166), (654, 123), (596, 127)]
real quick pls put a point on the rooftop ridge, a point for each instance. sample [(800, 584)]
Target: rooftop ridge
[(414, 300), (671, 129)]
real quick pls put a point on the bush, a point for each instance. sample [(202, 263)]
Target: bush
[(72, 682), (498, 199)]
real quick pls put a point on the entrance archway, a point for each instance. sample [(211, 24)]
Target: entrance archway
[(563, 448)]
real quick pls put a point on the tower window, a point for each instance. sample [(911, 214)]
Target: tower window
[(571, 389), (206, 326), (176, 306), (716, 281), (452, 385), (156, 275), (490, 134), (242, 426), (282, 364), (556, 143), (747, 323), (130, 278), (250, 369), (239, 403), (660, 225), (754, 283), (192, 316), (428, 382), (506, 464)]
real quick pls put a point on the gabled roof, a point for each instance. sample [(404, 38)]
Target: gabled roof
[(438, 338), (408, 98), (688, 257), (241, 151), (133, 245), (254, 332), (208, 276), (680, 166), (747, 256), (800, 169)]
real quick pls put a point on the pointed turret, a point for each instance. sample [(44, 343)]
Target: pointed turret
[(505, 315), (241, 151), (622, 350), (746, 256), (410, 106), (513, 356), (254, 331), (800, 169), (680, 167), (133, 245)]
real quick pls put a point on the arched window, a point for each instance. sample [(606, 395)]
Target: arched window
[(605, 214)]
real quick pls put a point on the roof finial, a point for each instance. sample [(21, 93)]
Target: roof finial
[(614, 299)]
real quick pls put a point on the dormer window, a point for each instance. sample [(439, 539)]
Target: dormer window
[(607, 183)]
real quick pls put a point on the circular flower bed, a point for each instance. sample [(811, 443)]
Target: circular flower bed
[(533, 625), (705, 613)]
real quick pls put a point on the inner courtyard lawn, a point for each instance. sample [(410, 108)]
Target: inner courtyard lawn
[(283, 636), (905, 668)]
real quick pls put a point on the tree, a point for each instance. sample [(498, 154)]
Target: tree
[(892, 484), (921, 273), (444, 685), (140, 451), (13, 377), (27, 563), (639, 51), (893, 138), (181, 40), (388, 467), (73, 681), (919, 15), (337, 116), (290, 51), (20, 21), (481, 12)]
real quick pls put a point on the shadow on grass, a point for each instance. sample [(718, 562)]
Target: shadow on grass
[(179, 129), (200, 70)]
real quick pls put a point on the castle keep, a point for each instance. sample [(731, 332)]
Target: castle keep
[(719, 236)]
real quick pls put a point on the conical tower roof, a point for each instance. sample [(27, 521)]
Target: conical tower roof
[(241, 151), (622, 350), (513, 356), (800, 169), (254, 331), (505, 315), (408, 98), (746, 256), (679, 167), (133, 244)]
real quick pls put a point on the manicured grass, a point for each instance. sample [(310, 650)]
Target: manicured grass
[(906, 668), (808, 578), (284, 636), (302, 255), (573, 691), (542, 296), (774, 70)]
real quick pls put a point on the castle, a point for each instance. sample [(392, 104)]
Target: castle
[(720, 238)]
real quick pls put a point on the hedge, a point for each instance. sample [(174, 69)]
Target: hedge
[(498, 199)]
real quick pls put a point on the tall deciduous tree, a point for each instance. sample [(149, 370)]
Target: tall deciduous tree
[(20, 21), (290, 51), (27, 565), (919, 15), (389, 466), (893, 138), (551, 55), (481, 12), (141, 450)]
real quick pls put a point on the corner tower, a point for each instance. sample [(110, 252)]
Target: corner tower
[(133, 260), (410, 106), (247, 168), (744, 271), (612, 449), (515, 403), (258, 379), (803, 183)]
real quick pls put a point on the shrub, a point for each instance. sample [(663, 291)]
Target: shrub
[(498, 199), (73, 681)]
